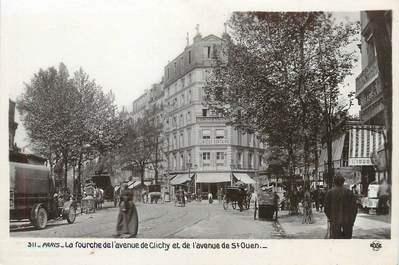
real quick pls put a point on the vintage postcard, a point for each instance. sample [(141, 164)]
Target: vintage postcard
[(200, 132)]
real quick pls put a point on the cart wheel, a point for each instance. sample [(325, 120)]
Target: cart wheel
[(234, 205), (255, 210), (40, 221), (225, 204), (71, 214)]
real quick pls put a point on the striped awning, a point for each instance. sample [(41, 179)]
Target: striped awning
[(244, 178), (180, 179), (213, 177)]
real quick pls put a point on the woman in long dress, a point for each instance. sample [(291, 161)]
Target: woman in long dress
[(127, 223)]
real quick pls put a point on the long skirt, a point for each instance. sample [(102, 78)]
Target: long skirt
[(128, 222)]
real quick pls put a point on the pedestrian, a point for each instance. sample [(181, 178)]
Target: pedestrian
[(210, 198), (307, 207), (127, 222), (275, 203), (340, 209), (316, 198)]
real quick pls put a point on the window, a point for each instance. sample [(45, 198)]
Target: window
[(219, 155), (188, 117), (181, 139), (207, 52), (371, 52), (260, 161), (168, 72), (206, 156), (190, 78), (204, 112), (188, 137), (189, 96), (250, 162), (182, 99), (181, 161), (206, 134), (181, 121), (189, 156), (175, 64), (219, 134), (174, 141), (189, 57), (239, 157), (174, 161)]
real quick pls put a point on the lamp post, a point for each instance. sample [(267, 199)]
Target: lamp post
[(231, 174)]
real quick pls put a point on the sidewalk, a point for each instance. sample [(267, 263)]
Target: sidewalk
[(366, 226)]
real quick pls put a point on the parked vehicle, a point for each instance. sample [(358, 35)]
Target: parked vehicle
[(154, 193), (376, 194), (33, 196), (236, 196), (265, 204)]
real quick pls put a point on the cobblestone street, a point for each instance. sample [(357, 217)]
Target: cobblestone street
[(196, 220), (201, 220)]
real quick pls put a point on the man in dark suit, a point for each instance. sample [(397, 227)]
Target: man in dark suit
[(341, 209)]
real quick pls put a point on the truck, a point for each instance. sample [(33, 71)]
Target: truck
[(33, 196)]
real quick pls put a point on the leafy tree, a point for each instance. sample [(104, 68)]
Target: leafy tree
[(140, 144), (63, 116), (46, 113), (272, 73)]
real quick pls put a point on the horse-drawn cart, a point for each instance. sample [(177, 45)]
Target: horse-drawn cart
[(236, 196)]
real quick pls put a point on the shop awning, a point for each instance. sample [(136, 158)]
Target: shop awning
[(130, 184), (213, 177), (180, 179), (244, 178), (337, 148)]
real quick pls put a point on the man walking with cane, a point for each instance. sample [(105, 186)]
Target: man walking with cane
[(341, 209)]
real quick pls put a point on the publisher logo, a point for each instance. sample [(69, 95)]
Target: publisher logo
[(376, 245)]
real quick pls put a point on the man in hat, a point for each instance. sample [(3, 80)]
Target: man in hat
[(341, 209)]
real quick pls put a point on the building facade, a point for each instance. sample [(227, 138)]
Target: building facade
[(202, 154), (368, 83)]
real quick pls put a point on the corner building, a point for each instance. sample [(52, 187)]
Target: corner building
[(203, 154)]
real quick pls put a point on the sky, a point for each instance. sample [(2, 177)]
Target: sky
[(122, 44)]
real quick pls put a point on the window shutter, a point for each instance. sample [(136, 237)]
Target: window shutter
[(200, 159)]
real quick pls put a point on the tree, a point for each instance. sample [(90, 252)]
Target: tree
[(46, 113), (140, 144), (273, 72), (64, 115)]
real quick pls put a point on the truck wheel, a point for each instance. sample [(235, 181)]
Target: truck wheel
[(40, 221), (71, 214)]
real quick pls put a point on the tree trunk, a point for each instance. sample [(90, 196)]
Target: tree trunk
[(330, 166), (142, 170), (79, 184), (65, 170)]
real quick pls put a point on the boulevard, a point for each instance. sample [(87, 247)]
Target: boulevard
[(200, 220)]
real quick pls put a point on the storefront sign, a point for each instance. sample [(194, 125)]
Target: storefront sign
[(360, 161)]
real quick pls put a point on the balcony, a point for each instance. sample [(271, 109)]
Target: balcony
[(368, 75), (210, 119), (214, 141)]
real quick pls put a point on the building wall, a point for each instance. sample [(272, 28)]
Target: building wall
[(368, 83), (195, 136)]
